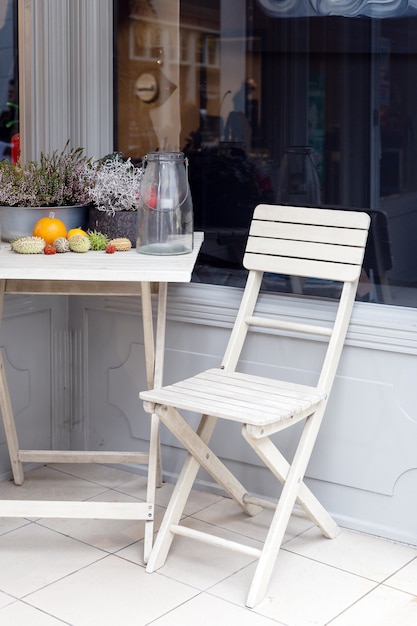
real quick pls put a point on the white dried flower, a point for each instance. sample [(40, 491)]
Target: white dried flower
[(116, 185)]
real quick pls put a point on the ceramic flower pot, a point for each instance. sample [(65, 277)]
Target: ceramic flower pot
[(119, 224)]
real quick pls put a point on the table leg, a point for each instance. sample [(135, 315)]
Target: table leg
[(160, 335), (7, 412), (154, 358), (148, 335), (159, 369)]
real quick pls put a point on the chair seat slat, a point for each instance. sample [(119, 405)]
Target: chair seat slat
[(240, 398), (254, 415), (237, 396), (240, 378)]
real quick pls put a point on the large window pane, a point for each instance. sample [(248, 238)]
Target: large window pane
[(303, 110)]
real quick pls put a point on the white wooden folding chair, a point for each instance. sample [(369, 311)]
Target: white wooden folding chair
[(294, 241)]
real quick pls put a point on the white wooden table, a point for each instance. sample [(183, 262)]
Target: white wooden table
[(93, 273)]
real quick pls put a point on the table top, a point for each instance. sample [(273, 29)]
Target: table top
[(95, 266)]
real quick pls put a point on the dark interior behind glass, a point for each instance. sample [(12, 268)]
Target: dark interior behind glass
[(301, 110)]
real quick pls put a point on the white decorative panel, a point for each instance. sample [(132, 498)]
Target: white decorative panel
[(26, 344), (116, 373), (365, 440), (68, 394), (123, 391), (18, 380)]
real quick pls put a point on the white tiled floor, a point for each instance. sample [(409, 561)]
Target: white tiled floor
[(91, 573)]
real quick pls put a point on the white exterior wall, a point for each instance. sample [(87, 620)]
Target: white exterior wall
[(75, 372), (364, 467)]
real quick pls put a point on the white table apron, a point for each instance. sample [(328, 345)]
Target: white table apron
[(94, 273)]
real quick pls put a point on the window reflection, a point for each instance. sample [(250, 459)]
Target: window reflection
[(238, 90), (9, 101)]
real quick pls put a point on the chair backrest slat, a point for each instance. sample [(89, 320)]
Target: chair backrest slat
[(301, 215), (324, 234), (301, 267), (305, 249), (319, 243)]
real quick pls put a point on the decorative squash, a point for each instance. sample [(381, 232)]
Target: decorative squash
[(76, 231), (50, 228), (28, 245), (121, 243)]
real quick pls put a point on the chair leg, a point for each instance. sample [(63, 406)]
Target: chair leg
[(201, 456), (179, 496), (290, 475), (196, 444), (173, 514), (279, 466), (272, 543), (289, 495)]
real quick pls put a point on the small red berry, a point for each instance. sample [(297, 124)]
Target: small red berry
[(49, 249), (110, 248)]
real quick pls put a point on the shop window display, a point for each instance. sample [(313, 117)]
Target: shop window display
[(236, 86)]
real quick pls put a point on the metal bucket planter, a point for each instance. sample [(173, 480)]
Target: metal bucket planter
[(18, 222)]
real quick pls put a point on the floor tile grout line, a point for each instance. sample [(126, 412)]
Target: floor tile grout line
[(340, 569), (209, 591), (369, 592), (392, 586), (61, 578), (55, 468), (40, 522), (55, 617)]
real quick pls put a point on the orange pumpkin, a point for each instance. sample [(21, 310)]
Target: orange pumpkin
[(49, 228)]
